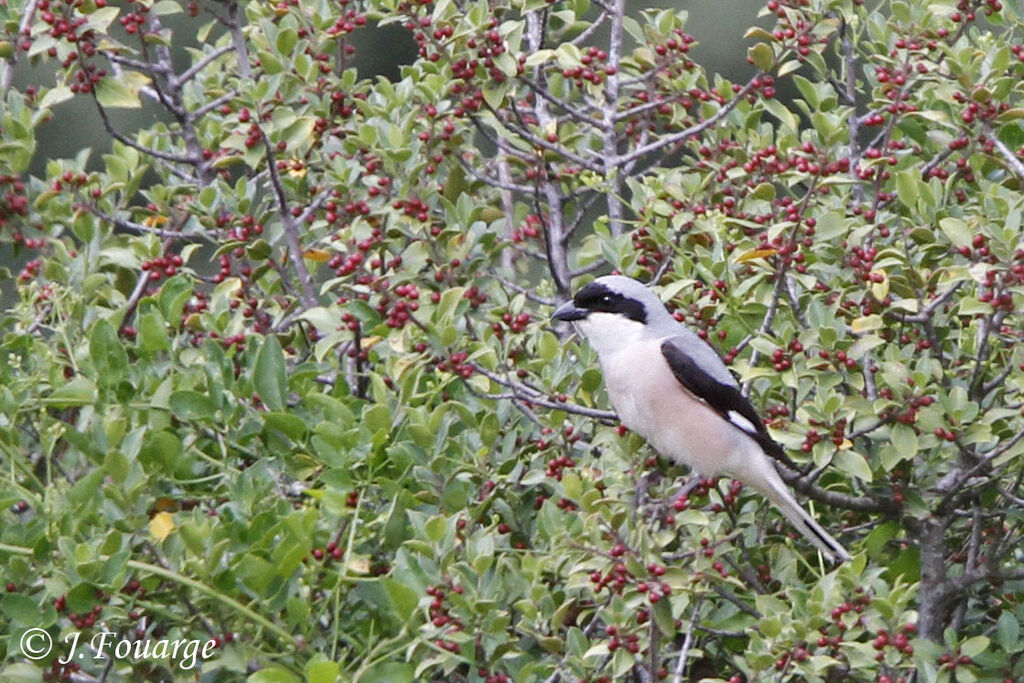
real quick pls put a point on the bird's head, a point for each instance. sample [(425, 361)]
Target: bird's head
[(613, 310)]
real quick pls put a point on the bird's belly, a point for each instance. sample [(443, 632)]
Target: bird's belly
[(650, 402)]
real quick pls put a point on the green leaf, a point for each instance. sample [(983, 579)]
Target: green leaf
[(877, 539), (389, 672), (548, 346), (290, 425), (191, 405), (165, 7), (270, 375), (770, 627), (121, 92), (761, 55), (906, 187), (108, 354), (21, 672), (404, 599), (81, 598), (153, 332), (853, 463), (79, 391), (20, 609), (972, 647), (784, 115), (286, 40), (161, 451), (377, 418), (322, 671), (173, 296), (1008, 632), (273, 674), (55, 96), (904, 440), (957, 231)]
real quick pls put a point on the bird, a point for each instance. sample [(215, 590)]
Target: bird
[(673, 389)]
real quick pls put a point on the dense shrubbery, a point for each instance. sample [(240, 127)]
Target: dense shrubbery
[(279, 372)]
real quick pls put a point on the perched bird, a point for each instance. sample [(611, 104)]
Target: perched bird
[(671, 387)]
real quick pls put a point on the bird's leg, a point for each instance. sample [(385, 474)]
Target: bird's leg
[(692, 482)]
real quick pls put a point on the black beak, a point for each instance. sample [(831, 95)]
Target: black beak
[(569, 313)]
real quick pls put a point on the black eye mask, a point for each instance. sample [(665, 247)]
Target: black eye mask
[(597, 298)]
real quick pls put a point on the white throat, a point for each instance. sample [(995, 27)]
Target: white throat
[(609, 333)]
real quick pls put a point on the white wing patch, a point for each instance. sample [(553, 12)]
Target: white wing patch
[(741, 422)]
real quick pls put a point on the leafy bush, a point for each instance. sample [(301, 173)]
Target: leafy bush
[(279, 372)]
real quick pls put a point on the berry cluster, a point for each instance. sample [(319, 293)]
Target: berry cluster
[(440, 614), (162, 266)]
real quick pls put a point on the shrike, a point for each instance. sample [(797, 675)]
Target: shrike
[(670, 387)]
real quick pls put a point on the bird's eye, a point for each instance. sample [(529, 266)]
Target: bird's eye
[(606, 299)]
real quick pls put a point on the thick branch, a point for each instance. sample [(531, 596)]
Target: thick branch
[(610, 141)]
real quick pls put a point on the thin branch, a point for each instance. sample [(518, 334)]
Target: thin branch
[(572, 111), (314, 206), (595, 266), (28, 16), (291, 229), (140, 229), (194, 70), (540, 142), (954, 482), (933, 164), (508, 207), (996, 381), (502, 184), (521, 391), (528, 293), (1011, 159), (983, 347), (641, 108), (684, 652), (136, 64), (501, 143), (214, 104), (155, 153), (833, 498), (693, 130), (589, 31), (924, 315), (731, 597)]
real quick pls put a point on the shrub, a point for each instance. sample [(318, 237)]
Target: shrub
[(280, 373)]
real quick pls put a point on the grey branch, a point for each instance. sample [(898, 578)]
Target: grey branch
[(1011, 159), (693, 130), (523, 392), (194, 70)]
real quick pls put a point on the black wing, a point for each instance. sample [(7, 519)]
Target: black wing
[(724, 399)]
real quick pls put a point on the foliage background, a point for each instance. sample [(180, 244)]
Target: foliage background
[(278, 371)]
